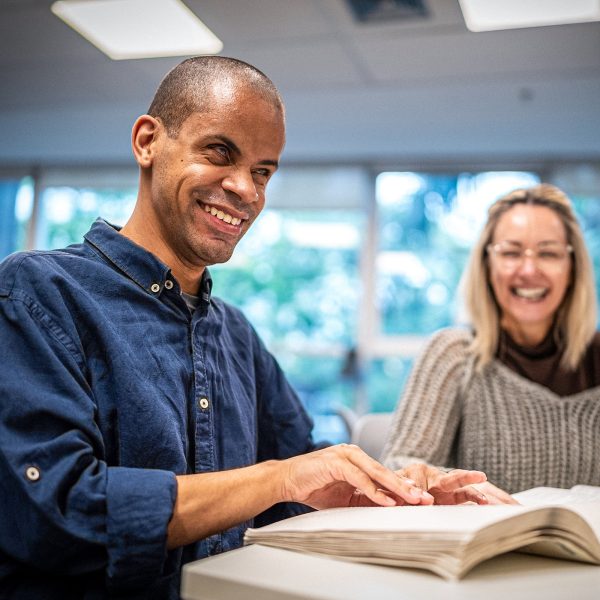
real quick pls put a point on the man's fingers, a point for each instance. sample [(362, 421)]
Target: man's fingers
[(365, 485), (374, 476)]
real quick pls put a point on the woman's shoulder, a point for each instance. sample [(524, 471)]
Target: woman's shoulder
[(451, 336), (448, 343)]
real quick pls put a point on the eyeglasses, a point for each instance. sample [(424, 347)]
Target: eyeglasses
[(547, 257)]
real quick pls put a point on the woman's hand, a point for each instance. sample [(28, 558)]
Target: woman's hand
[(494, 494), (455, 487)]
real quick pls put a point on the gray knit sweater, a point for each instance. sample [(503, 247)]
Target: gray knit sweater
[(519, 433)]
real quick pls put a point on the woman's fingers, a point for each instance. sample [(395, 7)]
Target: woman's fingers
[(459, 478), (494, 494)]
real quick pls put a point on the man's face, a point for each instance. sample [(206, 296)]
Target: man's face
[(208, 183)]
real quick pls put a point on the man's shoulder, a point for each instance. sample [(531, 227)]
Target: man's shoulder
[(34, 268), (234, 319), (229, 310)]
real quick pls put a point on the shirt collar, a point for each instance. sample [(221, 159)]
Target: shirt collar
[(135, 262)]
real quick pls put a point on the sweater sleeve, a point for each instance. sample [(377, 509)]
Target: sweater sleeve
[(427, 417)]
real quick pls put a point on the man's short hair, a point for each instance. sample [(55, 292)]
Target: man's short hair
[(189, 87)]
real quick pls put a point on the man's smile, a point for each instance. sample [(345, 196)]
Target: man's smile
[(221, 214)]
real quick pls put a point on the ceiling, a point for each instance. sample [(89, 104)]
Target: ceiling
[(416, 91)]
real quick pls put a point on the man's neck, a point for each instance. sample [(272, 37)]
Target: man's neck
[(187, 277)]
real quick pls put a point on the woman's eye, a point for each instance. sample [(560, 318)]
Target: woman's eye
[(549, 255)]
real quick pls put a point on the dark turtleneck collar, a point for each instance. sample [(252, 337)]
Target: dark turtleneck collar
[(541, 363)]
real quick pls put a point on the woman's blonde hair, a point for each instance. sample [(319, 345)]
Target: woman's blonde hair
[(575, 320)]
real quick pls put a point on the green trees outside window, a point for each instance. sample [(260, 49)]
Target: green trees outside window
[(344, 275)]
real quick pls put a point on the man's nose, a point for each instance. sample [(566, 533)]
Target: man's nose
[(240, 182)]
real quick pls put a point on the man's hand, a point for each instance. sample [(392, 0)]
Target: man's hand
[(454, 487), (344, 475)]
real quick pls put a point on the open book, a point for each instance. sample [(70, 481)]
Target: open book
[(448, 540)]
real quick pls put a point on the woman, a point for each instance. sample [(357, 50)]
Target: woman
[(518, 396)]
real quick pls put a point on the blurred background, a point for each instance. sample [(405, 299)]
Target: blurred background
[(403, 126)]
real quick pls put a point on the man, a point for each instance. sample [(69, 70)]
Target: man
[(143, 423)]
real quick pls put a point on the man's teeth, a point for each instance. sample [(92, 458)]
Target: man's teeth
[(530, 293), (223, 216)]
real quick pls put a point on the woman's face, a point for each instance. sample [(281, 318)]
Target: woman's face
[(530, 270)]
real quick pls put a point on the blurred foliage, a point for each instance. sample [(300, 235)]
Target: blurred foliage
[(297, 273), (296, 287), (428, 224), (588, 212), (385, 379), (68, 213)]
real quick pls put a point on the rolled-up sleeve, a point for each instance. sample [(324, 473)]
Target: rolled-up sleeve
[(65, 510), (139, 505)]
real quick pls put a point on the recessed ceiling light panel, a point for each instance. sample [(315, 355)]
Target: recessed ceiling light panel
[(125, 29), (487, 15)]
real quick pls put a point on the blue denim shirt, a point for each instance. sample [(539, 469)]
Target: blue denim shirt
[(110, 387)]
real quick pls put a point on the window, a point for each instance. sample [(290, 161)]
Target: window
[(427, 226), (68, 201), (66, 213), (344, 275), (16, 204), (296, 276)]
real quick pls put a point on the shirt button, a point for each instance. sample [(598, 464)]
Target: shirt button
[(32, 473), (203, 403), (169, 284), (155, 288)]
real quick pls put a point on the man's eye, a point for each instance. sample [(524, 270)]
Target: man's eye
[(261, 175), (221, 152)]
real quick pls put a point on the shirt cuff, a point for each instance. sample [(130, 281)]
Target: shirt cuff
[(140, 504)]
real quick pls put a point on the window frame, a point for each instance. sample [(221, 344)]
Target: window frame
[(371, 343)]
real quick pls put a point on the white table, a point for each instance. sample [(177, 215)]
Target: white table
[(262, 573)]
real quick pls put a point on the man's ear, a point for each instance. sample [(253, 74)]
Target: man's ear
[(143, 138)]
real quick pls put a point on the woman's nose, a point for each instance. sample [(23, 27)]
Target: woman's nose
[(529, 263)]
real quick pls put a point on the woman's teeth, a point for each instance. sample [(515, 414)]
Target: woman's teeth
[(530, 293)]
